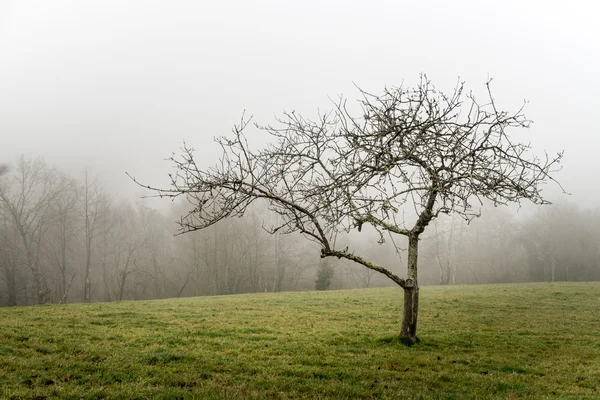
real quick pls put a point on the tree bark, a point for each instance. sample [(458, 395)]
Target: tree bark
[(408, 333)]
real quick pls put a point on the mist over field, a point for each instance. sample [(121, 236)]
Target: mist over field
[(92, 90)]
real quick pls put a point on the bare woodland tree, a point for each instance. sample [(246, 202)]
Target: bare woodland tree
[(27, 200), (562, 243), (9, 257), (92, 202), (67, 240), (437, 153), (445, 246), (62, 235)]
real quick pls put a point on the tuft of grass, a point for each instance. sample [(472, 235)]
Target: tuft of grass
[(522, 341)]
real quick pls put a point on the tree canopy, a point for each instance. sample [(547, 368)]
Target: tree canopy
[(410, 150)]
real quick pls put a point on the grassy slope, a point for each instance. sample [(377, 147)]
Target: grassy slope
[(501, 341)]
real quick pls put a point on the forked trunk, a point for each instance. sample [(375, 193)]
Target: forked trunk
[(408, 334)]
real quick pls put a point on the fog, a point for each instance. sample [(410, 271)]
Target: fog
[(110, 87)]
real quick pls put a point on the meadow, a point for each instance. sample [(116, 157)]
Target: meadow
[(530, 341)]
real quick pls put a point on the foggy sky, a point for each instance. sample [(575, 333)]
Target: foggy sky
[(115, 86)]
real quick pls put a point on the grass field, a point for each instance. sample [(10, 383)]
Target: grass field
[(478, 342)]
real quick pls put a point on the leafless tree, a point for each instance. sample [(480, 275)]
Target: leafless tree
[(27, 199), (60, 246), (562, 243), (446, 247), (291, 262), (9, 257), (93, 204), (153, 256), (124, 247), (414, 147)]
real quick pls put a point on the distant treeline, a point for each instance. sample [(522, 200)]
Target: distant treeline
[(560, 242), (68, 240)]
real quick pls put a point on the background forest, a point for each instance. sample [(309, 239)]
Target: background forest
[(67, 239)]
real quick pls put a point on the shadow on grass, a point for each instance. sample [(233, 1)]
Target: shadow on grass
[(395, 340)]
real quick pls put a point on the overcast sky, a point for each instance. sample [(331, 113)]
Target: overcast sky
[(115, 86)]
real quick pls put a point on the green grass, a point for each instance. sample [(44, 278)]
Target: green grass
[(477, 342)]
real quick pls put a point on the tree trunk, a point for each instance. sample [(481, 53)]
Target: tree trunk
[(122, 285), (411, 311), (40, 294), (408, 333), (11, 286), (87, 288)]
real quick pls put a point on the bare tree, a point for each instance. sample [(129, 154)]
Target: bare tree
[(92, 202), (60, 245), (562, 243), (412, 147), (9, 257), (154, 254), (124, 246), (446, 246), (289, 263), (27, 199)]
